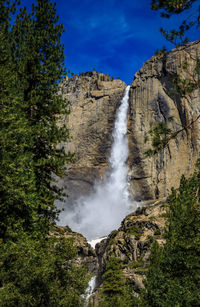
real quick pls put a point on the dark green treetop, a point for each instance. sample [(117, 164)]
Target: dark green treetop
[(40, 273), (115, 291), (171, 7), (173, 278), (35, 269), (39, 62), (18, 198)]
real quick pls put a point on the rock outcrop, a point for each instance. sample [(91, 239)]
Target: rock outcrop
[(85, 253), (153, 100), (132, 243), (94, 99)]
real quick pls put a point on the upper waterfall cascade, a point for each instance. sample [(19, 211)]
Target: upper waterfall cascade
[(101, 212)]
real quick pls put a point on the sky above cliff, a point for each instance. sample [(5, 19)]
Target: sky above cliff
[(112, 36)]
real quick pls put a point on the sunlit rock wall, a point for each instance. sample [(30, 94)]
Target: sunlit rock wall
[(152, 101), (94, 99)]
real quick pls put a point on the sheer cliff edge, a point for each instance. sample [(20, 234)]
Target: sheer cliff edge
[(94, 99)]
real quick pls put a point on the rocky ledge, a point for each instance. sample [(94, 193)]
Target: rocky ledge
[(85, 253), (132, 243)]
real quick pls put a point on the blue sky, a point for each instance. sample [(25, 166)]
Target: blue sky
[(112, 36)]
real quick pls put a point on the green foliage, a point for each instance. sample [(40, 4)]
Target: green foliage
[(135, 230), (169, 8), (173, 278), (150, 239), (18, 199), (40, 273), (32, 64), (157, 232), (38, 59), (161, 51), (115, 291), (113, 277), (160, 135), (185, 86), (35, 270), (141, 271), (136, 264)]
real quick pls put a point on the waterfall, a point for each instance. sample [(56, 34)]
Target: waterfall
[(90, 289), (101, 212)]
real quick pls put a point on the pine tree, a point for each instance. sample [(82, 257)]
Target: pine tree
[(35, 269), (174, 273), (40, 273), (115, 291), (39, 62), (17, 189), (176, 7)]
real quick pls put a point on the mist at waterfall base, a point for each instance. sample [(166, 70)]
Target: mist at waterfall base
[(103, 210)]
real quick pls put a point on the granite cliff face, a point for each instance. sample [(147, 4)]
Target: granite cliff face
[(94, 99), (152, 100)]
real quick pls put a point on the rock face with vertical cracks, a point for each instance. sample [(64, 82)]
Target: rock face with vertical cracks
[(152, 100), (94, 99)]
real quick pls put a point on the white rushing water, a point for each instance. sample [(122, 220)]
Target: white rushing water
[(90, 289), (93, 242), (101, 212)]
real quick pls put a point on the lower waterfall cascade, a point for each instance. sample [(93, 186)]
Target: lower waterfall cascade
[(102, 211)]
